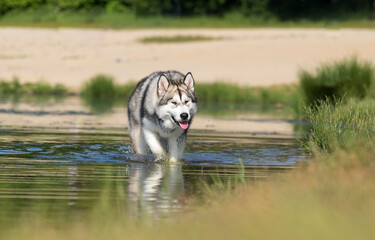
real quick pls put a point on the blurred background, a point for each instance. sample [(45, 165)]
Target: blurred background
[(247, 42), (267, 10)]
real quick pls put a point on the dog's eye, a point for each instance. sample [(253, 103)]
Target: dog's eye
[(174, 103), (187, 101)]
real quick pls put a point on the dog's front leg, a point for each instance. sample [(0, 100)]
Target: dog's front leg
[(176, 147), (153, 142)]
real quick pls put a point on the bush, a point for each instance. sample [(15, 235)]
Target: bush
[(13, 87), (116, 7), (104, 87), (60, 90), (349, 78), (41, 88), (100, 86)]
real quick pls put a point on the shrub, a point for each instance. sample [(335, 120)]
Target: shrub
[(41, 88), (60, 90), (100, 86), (116, 7), (349, 78), (13, 87)]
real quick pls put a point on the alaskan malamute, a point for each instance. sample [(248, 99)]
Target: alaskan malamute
[(160, 111)]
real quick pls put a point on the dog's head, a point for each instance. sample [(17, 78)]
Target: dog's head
[(177, 100)]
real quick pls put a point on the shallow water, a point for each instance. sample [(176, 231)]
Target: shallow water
[(59, 158)]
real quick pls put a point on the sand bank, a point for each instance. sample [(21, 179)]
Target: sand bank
[(255, 57)]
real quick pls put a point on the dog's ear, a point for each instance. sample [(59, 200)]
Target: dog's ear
[(189, 81), (163, 84)]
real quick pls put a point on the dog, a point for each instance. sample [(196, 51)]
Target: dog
[(160, 111)]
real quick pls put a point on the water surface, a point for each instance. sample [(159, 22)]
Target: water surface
[(60, 158)]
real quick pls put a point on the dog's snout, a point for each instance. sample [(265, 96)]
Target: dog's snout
[(184, 116)]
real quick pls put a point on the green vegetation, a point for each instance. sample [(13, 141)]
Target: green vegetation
[(176, 39), (226, 92), (40, 88), (349, 77), (342, 126), (337, 81), (104, 87), (101, 93), (189, 13), (94, 19), (261, 9), (339, 100)]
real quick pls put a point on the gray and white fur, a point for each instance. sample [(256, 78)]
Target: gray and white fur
[(160, 111)]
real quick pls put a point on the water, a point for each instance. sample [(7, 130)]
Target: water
[(59, 158)]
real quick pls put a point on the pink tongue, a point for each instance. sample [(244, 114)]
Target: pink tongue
[(184, 125)]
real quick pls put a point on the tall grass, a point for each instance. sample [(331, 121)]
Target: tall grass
[(101, 93), (104, 87), (341, 125), (226, 92), (348, 77)]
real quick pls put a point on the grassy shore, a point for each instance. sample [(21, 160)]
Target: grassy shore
[(105, 87), (349, 78), (40, 88)]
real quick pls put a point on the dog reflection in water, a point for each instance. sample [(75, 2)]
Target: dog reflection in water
[(155, 189)]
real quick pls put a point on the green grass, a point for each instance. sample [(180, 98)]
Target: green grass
[(349, 77), (48, 17), (101, 93), (177, 39), (40, 88), (341, 125), (226, 92), (340, 80), (104, 87)]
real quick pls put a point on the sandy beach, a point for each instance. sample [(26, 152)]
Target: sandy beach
[(255, 57)]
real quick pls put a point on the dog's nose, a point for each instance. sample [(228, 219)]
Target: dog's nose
[(184, 116)]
